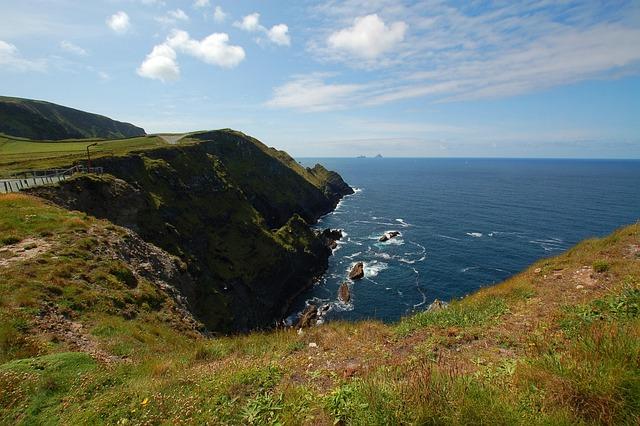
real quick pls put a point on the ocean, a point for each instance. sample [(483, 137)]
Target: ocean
[(464, 224)]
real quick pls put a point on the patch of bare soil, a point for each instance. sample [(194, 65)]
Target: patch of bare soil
[(51, 322), (24, 250)]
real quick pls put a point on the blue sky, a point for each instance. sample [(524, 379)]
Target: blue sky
[(340, 78)]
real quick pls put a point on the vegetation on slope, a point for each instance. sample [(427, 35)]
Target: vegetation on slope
[(556, 344), (185, 200), (44, 120)]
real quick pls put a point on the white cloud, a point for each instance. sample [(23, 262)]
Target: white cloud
[(72, 48), (278, 34), (104, 76), (213, 49), (369, 37), (219, 15), (201, 4), (119, 22), (250, 23), (160, 64), (172, 17), (11, 60), (311, 93)]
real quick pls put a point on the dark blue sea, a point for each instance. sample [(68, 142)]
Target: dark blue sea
[(464, 224)]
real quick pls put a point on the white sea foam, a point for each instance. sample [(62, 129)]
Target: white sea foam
[(411, 262), (351, 256), (372, 269), (448, 237), (474, 234), (469, 268), (385, 256), (403, 223)]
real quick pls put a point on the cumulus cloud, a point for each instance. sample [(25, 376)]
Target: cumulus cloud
[(11, 60), (69, 47), (213, 49), (172, 17), (278, 34), (161, 64), (368, 37), (250, 23), (119, 22), (219, 15)]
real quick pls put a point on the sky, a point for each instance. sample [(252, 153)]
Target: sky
[(533, 78)]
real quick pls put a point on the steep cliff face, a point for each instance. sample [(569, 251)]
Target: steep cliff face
[(236, 213)]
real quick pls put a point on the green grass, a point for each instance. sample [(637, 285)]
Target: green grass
[(17, 155)]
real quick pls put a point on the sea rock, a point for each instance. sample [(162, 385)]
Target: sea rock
[(388, 235), (344, 294), (331, 237), (308, 317), (357, 272), (437, 305)]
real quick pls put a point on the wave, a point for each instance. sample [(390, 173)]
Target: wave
[(411, 262), (403, 223), (448, 237), (351, 256), (424, 296), (474, 234), (372, 269)]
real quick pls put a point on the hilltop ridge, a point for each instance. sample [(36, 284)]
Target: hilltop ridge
[(43, 120)]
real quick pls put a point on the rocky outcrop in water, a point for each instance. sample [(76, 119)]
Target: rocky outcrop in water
[(331, 237), (357, 272), (388, 235), (344, 294)]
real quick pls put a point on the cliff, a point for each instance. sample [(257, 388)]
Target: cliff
[(235, 211), (42, 120)]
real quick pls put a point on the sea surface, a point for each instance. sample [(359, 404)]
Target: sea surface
[(464, 224)]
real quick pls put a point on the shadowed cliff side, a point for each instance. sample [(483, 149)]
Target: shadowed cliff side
[(234, 212)]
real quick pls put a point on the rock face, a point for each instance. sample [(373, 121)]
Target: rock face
[(436, 305), (357, 272), (388, 235), (236, 212), (331, 237), (344, 294), (308, 317)]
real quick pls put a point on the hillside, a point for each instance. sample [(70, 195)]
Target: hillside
[(93, 330), (42, 120), (235, 212)]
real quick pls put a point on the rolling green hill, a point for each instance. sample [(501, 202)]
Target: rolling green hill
[(42, 120)]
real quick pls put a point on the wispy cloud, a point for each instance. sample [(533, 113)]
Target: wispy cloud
[(69, 47), (12, 60), (434, 50)]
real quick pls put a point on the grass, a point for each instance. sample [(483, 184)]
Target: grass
[(536, 349), (18, 155)]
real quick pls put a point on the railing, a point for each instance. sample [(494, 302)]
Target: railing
[(30, 179)]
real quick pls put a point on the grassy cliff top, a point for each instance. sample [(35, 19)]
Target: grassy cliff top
[(17, 154), (557, 344)]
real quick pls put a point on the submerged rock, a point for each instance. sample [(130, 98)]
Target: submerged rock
[(389, 235), (344, 294), (357, 272)]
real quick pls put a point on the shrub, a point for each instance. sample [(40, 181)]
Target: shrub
[(601, 266), (11, 239)]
